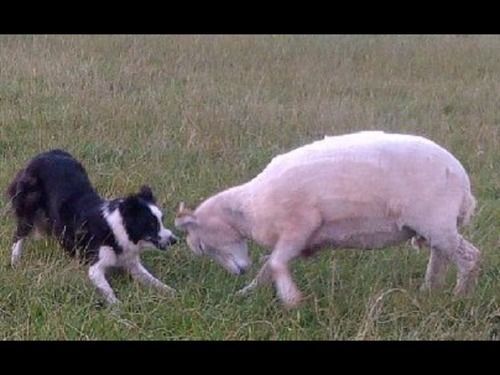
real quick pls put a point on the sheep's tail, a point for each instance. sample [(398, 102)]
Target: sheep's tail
[(466, 209)]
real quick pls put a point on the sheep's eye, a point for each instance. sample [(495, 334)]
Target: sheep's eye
[(201, 247)]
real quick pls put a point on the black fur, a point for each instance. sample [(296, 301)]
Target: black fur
[(147, 194), (55, 194), (138, 220)]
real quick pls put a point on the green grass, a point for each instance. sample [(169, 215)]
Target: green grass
[(192, 115)]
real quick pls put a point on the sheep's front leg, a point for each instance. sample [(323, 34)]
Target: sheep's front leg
[(262, 278), (278, 265)]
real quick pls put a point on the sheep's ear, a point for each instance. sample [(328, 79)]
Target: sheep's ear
[(185, 218), (185, 222), (183, 210)]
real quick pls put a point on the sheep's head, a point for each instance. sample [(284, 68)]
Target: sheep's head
[(208, 234)]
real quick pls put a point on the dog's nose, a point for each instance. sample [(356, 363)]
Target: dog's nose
[(173, 240)]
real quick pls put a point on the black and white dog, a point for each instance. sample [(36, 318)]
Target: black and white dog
[(54, 196)]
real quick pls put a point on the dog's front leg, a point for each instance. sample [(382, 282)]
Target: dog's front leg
[(141, 274), (97, 274)]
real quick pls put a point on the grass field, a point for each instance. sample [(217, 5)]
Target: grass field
[(192, 115)]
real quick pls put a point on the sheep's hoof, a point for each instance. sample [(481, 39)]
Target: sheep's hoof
[(463, 291), (424, 288), (293, 302), (432, 289)]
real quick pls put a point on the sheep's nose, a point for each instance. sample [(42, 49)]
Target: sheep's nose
[(242, 270)]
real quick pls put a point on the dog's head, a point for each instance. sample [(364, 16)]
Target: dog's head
[(208, 234), (143, 221)]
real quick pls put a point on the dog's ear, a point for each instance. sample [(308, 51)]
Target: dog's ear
[(147, 194), (185, 218)]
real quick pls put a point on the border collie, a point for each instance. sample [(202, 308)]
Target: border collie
[(54, 196)]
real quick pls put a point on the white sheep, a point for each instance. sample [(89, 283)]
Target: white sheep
[(364, 190)]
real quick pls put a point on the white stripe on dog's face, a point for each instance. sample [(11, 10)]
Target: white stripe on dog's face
[(164, 234), (115, 222)]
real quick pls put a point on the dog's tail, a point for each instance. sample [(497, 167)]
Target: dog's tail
[(24, 192), (13, 188)]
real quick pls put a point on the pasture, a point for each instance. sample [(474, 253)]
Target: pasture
[(192, 115)]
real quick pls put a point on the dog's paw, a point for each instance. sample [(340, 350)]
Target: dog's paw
[(241, 292), (168, 290), (114, 312), (14, 262), (113, 306), (245, 291)]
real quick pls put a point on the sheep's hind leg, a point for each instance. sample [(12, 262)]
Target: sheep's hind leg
[(467, 258), (436, 270), (452, 246)]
